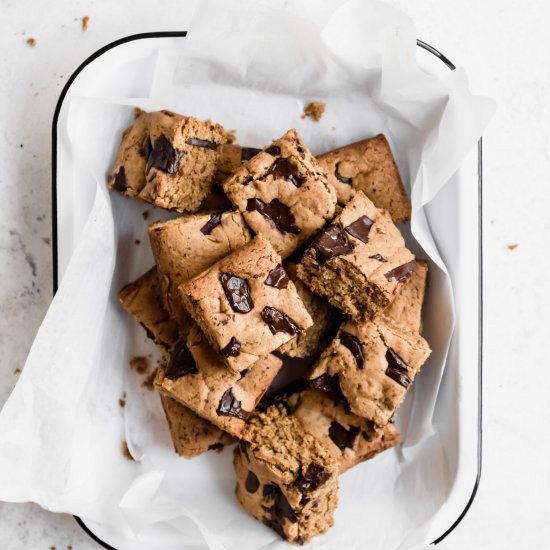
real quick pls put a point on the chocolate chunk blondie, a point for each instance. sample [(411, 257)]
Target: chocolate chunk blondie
[(359, 262), (372, 364), (368, 166), (282, 193), (246, 304), (168, 160), (285, 477)]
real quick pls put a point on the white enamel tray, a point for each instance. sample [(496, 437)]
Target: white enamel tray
[(457, 206)]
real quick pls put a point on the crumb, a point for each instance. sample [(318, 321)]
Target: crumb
[(69, 547), (231, 136), (139, 364), (85, 21), (126, 452), (137, 241), (31, 42), (137, 112), (148, 383), (17, 370), (145, 214), (122, 402), (512, 246), (314, 110), (21, 145), (53, 548)]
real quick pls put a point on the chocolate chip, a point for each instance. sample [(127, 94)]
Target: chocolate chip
[(329, 385), (231, 406), (164, 157), (339, 176), (148, 332), (120, 180), (360, 228), (248, 152), (248, 181), (237, 292), (277, 278), (273, 150), (277, 321), (366, 435), (252, 482), (378, 257), (279, 511), (402, 272), (284, 169), (243, 373), (217, 201), (276, 212), (352, 343), (300, 541), (397, 369), (232, 349), (315, 476), (146, 148), (342, 438), (181, 362), (213, 222), (202, 143), (332, 242)]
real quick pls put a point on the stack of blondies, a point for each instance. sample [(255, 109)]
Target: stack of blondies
[(285, 303)]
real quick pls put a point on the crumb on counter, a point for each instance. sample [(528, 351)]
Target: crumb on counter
[(145, 214), (314, 110), (85, 21), (512, 246), (148, 383), (137, 241), (17, 370), (31, 42), (126, 451), (122, 402), (139, 364)]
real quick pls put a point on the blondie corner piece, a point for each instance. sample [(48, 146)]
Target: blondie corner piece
[(372, 364), (246, 304), (283, 193), (285, 477), (359, 262), (349, 438), (368, 166), (168, 160), (196, 377)]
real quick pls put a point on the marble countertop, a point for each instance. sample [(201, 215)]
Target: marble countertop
[(504, 47)]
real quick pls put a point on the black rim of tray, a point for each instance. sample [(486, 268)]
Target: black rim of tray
[(181, 34)]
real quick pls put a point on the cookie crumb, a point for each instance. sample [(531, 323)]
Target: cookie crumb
[(69, 547), (122, 402), (149, 382), (17, 370), (138, 112), (139, 364), (53, 548), (314, 110), (137, 241), (231, 136), (126, 451), (31, 42), (512, 246), (85, 21), (145, 214)]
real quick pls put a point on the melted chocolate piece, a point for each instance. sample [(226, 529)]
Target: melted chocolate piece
[(164, 157), (360, 228), (402, 272), (366, 435), (315, 476), (248, 152), (146, 148), (276, 212), (279, 510), (120, 180), (213, 222), (277, 278), (352, 343), (339, 176), (148, 332), (252, 482), (237, 292), (217, 201), (277, 321), (342, 438), (181, 362), (328, 384), (378, 257), (273, 150), (332, 242), (232, 349), (284, 169), (231, 406), (202, 143), (397, 369), (243, 373)]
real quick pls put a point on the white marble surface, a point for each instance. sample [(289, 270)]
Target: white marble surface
[(505, 47)]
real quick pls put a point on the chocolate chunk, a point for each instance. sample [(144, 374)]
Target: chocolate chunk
[(366, 435), (277, 278), (181, 362), (248, 152), (231, 406), (202, 143), (332, 242), (284, 169), (397, 369), (120, 180), (328, 384), (339, 176), (360, 228), (232, 349), (277, 321), (237, 292), (146, 148), (252, 482), (342, 438), (279, 510), (248, 181), (215, 447), (273, 150), (402, 272), (243, 373), (164, 157), (213, 222), (378, 257), (352, 343), (217, 201), (300, 541), (315, 476), (148, 332), (276, 212)]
